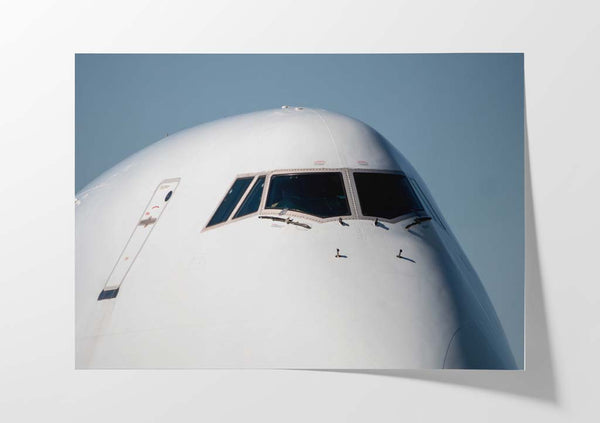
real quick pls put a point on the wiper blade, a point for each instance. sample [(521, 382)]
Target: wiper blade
[(293, 222), (418, 221), (287, 221), (278, 219)]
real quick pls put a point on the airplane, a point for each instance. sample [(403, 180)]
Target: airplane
[(293, 238)]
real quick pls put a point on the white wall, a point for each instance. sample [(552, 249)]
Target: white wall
[(562, 64)]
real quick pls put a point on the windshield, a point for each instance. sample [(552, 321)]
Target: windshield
[(252, 201), (385, 195), (230, 201), (317, 194)]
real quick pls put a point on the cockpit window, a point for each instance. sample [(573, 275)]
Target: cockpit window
[(230, 201), (252, 201), (385, 195), (318, 194)]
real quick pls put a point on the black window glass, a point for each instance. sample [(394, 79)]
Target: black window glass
[(252, 201), (318, 194), (385, 195), (230, 201)]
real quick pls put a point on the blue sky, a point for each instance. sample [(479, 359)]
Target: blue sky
[(458, 118)]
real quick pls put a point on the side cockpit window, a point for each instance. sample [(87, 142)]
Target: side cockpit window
[(319, 194), (385, 195), (231, 199), (252, 200), (426, 203)]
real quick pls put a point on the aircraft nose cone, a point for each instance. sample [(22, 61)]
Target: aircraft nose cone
[(349, 291)]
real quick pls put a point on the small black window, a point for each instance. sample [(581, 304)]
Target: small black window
[(423, 198), (385, 195), (318, 194), (252, 201), (230, 201)]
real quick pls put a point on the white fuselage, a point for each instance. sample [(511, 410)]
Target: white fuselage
[(156, 287)]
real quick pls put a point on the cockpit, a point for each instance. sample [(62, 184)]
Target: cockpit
[(321, 195)]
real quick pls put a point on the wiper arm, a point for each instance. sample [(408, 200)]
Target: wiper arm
[(287, 221), (418, 221)]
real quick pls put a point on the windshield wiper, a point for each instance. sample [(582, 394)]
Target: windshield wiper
[(278, 219), (293, 222), (418, 221), (287, 221)]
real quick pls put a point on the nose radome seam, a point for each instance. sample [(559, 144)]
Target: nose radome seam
[(449, 344), (341, 159)]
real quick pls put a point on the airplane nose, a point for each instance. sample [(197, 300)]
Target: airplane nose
[(401, 283), (441, 300)]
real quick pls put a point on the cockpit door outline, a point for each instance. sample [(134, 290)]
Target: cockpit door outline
[(161, 197)]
